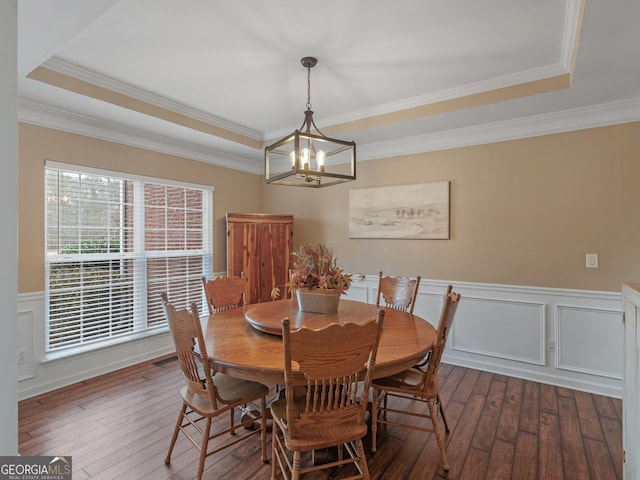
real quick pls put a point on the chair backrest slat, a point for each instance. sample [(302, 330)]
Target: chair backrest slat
[(398, 292), (331, 362)]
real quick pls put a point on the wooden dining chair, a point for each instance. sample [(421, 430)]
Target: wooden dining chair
[(223, 293), (398, 292), (208, 394), (322, 407), (418, 384)]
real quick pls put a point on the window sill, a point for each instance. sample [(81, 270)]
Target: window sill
[(101, 345)]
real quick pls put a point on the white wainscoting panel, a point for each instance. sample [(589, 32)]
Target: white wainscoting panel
[(25, 338), (587, 343), (500, 328)]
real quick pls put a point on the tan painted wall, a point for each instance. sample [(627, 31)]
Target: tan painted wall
[(234, 191), (523, 212)]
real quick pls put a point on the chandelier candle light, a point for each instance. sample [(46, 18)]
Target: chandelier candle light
[(308, 158)]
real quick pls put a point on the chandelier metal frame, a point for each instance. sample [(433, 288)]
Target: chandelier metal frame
[(307, 157)]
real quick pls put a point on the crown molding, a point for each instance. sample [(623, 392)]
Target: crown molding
[(570, 32), (497, 83), (536, 125), (58, 119), (65, 68), (532, 126)]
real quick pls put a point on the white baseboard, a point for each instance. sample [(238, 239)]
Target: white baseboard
[(61, 373)]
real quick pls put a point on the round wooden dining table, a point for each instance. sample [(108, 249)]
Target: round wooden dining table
[(246, 342)]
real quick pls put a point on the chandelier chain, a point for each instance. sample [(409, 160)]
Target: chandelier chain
[(308, 88)]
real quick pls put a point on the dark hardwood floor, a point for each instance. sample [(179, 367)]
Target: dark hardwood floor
[(118, 426)]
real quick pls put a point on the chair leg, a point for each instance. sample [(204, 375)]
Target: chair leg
[(384, 410), (444, 418), (433, 411), (295, 473), (203, 448), (263, 428), (374, 419), (275, 457), (232, 420), (167, 459), (362, 459)]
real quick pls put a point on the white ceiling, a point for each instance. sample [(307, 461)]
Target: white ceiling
[(236, 66)]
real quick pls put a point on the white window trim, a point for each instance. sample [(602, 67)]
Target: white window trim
[(129, 176), (148, 332)]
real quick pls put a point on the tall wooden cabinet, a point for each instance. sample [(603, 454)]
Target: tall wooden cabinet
[(631, 395), (260, 246)]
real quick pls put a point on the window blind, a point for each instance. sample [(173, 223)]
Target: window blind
[(113, 244)]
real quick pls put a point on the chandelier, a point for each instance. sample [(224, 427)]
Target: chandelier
[(307, 157)]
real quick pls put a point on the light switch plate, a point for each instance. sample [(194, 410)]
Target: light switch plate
[(592, 260)]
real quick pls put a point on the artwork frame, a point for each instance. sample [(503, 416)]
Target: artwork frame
[(416, 211)]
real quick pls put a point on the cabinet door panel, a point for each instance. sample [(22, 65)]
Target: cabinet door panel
[(275, 252), (243, 256)]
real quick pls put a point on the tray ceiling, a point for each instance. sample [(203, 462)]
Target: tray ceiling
[(215, 81)]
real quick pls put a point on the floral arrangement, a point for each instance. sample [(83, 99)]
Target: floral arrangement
[(316, 267)]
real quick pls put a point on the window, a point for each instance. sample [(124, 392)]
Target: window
[(113, 244)]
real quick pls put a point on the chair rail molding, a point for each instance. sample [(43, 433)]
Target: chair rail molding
[(564, 337), (569, 338)]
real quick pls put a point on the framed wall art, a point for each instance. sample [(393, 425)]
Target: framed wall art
[(419, 211)]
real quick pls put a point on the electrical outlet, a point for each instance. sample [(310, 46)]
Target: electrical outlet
[(592, 260), (551, 346), (22, 355)]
